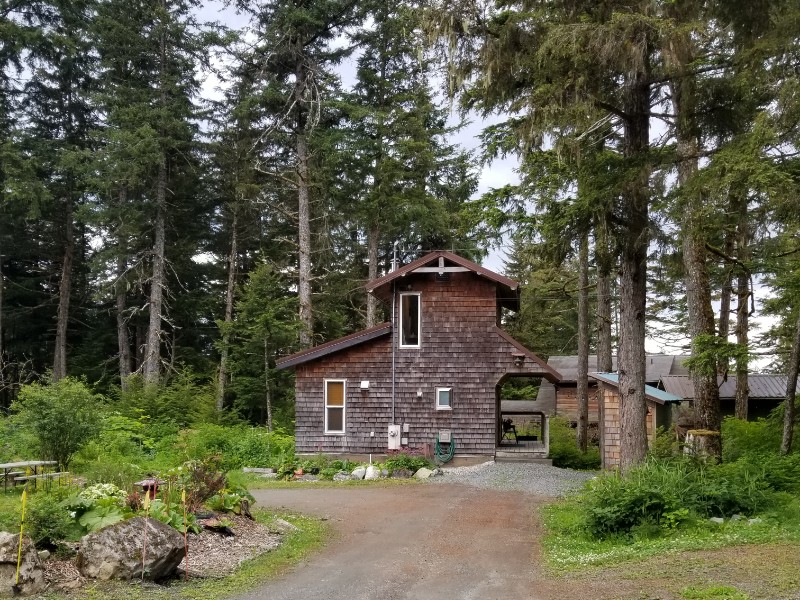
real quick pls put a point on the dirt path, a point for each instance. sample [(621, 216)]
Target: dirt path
[(453, 542)]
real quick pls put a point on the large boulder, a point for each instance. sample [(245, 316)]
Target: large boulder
[(116, 552), (31, 574)]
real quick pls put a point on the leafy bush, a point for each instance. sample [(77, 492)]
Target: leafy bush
[(740, 438), (48, 522), (237, 446), (172, 515), (187, 399), (61, 416), (201, 480), (564, 447), (234, 499), (407, 461), (97, 467), (664, 494), (97, 507)]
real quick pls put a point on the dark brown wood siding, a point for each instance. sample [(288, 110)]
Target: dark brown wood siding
[(460, 348)]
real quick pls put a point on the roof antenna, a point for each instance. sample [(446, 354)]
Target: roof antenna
[(394, 257)]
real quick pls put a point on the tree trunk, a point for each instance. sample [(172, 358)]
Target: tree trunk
[(151, 367), (603, 260), (725, 303), (226, 336), (123, 335), (583, 344), (679, 55), (3, 402), (64, 293), (372, 272), (743, 295), (267, 387), (120, 291), (633, 262), (791, 391), (303, 212)]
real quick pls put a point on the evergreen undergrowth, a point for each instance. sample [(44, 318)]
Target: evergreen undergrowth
[(569, 546)]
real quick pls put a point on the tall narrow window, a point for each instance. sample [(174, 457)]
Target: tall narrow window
[(409, 320), (334, 405)]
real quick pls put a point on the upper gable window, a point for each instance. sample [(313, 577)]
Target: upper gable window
[(410, 320)]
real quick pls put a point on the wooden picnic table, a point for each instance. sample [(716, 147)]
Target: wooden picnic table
[(36, 467)]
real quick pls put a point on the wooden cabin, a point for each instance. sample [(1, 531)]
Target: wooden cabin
[(610, 427), (561, 398), (433, 370)]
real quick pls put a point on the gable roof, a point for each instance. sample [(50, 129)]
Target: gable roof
[(761, 386), (442, 261), (348, 341), (657, 366), (546, 371), (652, 393)]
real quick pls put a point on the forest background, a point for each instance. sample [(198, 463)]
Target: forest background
[(168, 247)]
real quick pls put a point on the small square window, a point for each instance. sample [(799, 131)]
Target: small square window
[(444, 398)]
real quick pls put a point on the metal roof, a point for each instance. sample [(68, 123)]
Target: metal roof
[(334, 346), (651, 392), (761, 386), (657, 366)]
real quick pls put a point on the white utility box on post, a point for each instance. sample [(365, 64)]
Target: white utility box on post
[(394, 437)]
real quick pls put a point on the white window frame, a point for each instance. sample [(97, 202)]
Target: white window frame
[(325, 383), (419, 320), (440, 406)]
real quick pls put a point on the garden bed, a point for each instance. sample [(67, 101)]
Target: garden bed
[(211, 554)]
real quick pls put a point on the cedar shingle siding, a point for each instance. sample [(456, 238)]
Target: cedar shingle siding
[(461, 348)]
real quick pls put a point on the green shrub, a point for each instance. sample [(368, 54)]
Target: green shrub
[(237, 446), (48, 522), (61, 416), (187, 399), (231, 499), (407, 461), (564, 447), (97, 467), (173, 515), (740, 438), (665, 493)]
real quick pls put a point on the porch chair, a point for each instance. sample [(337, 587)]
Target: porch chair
[(508, 429)]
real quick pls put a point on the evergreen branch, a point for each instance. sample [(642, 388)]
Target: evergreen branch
[(612, 109), (717, 252)]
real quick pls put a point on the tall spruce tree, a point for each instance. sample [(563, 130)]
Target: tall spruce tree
[(290, 65), (552, 65), (409, 181), (149, 51), (60, 121)]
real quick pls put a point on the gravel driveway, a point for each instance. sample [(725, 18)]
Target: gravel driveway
[(470, 533), (541, 480)]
